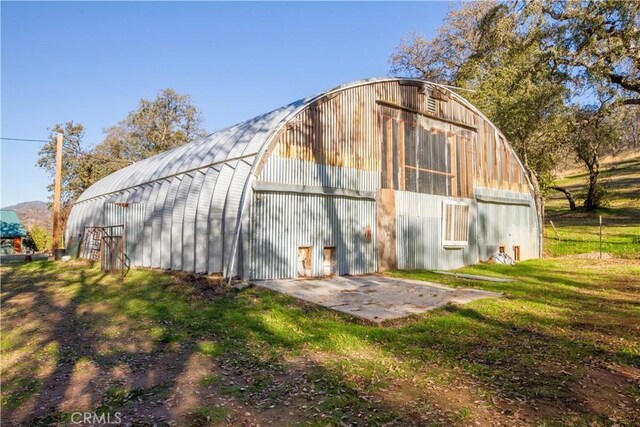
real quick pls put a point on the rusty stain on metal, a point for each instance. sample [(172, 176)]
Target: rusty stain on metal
[(413, 144)]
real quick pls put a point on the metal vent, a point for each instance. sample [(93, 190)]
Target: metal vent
[(431, 105)]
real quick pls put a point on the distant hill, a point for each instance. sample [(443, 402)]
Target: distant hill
[(35, 212)]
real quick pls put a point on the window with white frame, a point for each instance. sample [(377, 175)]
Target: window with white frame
[(455, 224)]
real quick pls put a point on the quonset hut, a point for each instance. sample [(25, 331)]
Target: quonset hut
[(373, 175)]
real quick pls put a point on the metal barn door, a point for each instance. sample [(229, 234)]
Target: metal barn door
[(132, 216)]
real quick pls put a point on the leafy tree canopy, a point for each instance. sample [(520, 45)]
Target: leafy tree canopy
[(38, 239), (524, 63), (157, 125)]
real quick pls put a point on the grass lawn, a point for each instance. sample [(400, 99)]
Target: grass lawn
[(562, 348), (579, 230)]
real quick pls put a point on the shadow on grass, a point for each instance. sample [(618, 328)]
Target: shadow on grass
[(71, 337), (249, 347), (534, 344)]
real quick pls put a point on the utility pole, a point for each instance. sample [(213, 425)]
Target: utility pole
[(56, 194)]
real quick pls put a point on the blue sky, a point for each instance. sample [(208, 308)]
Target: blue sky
[(91, 62)]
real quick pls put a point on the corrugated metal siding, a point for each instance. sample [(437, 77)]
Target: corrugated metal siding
[(216, 232), (177, 224), (148, 238), (190, 216), (506, 225), (419, 233), (203, 228), (156, 224), (284, 222), (192, 219), (419, 229), (231, 207), (166, 222), (141, 196), (132, 216), (301, 172), (496, 192), (189, 231)]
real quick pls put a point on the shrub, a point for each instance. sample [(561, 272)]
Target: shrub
[(38, 239)]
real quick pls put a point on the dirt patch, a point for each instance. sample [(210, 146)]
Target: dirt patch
[(202, 285), (453, 404), (592, 255), (606, 392)]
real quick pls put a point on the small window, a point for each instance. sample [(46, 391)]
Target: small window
[(304, 261), (329, 262), (501, 250), (455, 224), (516, 253)]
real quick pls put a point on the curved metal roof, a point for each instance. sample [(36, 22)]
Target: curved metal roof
[(235, 142), (243, 140), (203, 183)]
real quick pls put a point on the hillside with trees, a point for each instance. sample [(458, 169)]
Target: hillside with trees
[(32, 213)]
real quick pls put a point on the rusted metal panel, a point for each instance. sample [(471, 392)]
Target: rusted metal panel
[(199, 198), (337, 132)]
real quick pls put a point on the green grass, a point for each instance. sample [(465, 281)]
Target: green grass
[(22, 388), (208, 415), (579, 231), (621, 241), (562, 347), (558, 321), (210, 379)]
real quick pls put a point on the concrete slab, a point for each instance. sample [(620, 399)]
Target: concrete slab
[(475, 277), (374, 297)]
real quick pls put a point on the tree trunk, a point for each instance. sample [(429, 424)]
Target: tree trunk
[(592, 202), (568, 195), (537, 194)]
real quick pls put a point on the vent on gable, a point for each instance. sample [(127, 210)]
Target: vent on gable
[(431, 105)]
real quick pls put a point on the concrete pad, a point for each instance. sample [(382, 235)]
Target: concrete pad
[(374, 297), (474, 277)]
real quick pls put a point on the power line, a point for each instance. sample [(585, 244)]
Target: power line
[(25, 139), (75, 150)]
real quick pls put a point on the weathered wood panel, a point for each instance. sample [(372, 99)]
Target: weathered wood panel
[(386, 229), (348, 128)]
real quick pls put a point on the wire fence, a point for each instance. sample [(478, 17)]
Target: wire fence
[(592, 238)]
